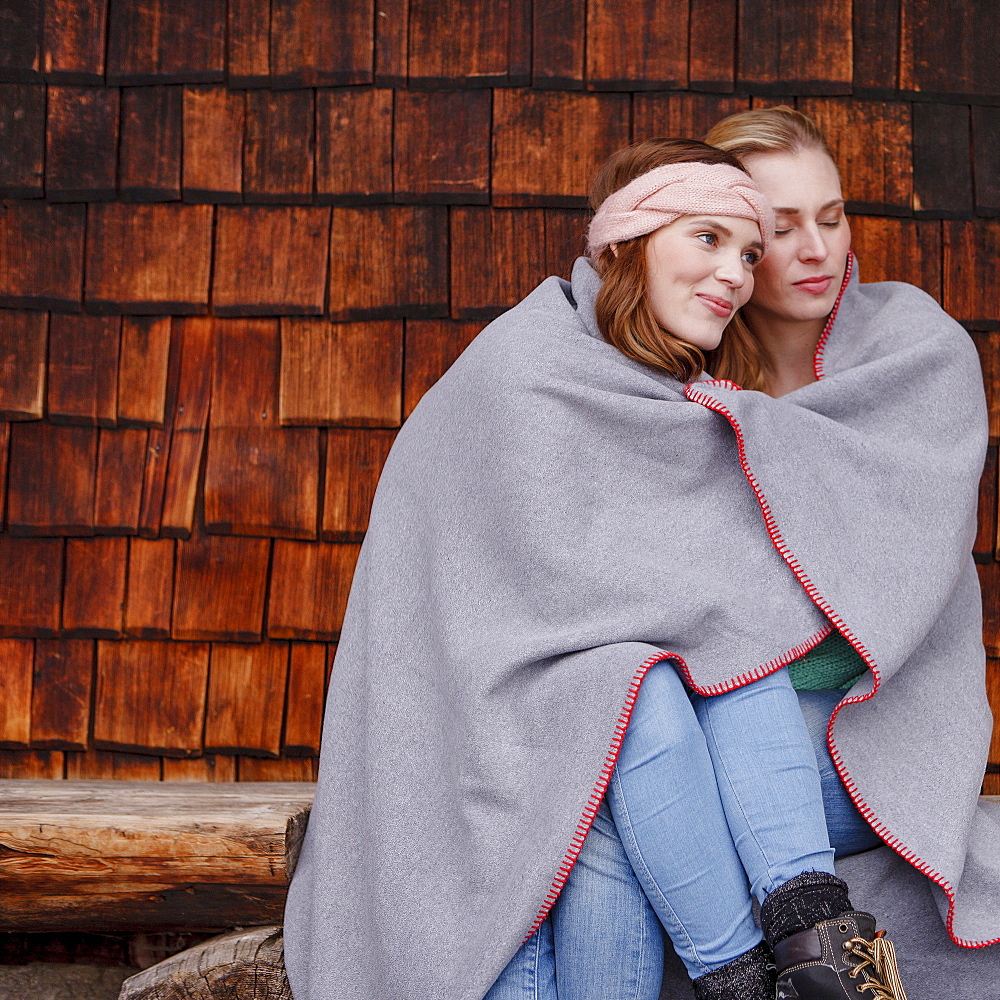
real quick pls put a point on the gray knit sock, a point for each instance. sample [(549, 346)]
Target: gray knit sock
[(749, 977), (801, 903)]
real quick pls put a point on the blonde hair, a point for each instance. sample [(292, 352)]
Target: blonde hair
[(623, 313), (739, 356)]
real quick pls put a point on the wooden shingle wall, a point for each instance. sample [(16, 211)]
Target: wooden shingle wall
[(240, 238)]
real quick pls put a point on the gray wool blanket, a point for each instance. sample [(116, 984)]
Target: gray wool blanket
[(554, 519)]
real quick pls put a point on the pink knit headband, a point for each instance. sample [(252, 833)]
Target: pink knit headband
[(666, 193)]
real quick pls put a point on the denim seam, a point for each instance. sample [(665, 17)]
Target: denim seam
[(627, 823), (719, 762)]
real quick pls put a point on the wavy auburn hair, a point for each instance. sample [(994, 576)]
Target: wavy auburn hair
[(762, 130), (624, 315)]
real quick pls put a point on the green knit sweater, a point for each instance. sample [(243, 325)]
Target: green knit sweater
[(832, 664)]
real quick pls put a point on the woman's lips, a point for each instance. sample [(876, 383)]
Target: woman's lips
[(815, 286), (719, 306)]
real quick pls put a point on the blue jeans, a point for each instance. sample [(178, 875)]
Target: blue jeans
[(694, 836)]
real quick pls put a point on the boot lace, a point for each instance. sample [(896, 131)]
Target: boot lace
[(877, 960)]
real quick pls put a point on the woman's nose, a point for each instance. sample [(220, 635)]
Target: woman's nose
[(732, 271), (813, 246)]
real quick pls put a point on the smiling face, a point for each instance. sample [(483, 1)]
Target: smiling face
[(700, 270), (801, 276)]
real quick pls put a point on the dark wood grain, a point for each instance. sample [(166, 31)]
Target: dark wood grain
[(22, 140), (441, 147), (354, 460), (547, 146), (270, 261), (986, 158), (796, 47), (259, 478), (47, 764), (149, 167), (386, 263), (986, 535), (989, 582), (142, 371), (942, 167), (497, 257), (61, 692), (150, 696), (310, 582), (194, 337), (278, 148), (898, 250), (213, 144), (16, 664), (51, 474), (988, 345), (150, 588), (23, 340), (949, 48), (148, 259), (565, 239), (81, 140), (712, 43), (341, 374), (459, 43), (74, 38), (41, 255), (94, 591), (20, 39), (246, 690), (871, 143), (31, 572), (249, 38), (686, 115), (121, 458), (158, 450), (283, 769), (103, 765), (347, 120), (876, 48), (431, 347), (559, 30), (83, 370), (166, 41), (219, 587), (211, 767), (971, 290), (322, 43), (391, 33), (304, 703), (645, 50)]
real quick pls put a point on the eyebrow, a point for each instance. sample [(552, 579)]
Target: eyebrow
[(822, 208)]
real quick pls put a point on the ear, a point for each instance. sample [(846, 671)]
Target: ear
[(613, 247)]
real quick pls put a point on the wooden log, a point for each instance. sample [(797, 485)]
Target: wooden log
[(147, 855), (245, 964)]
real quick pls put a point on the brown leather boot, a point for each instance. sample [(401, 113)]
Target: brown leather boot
[(838, 959), (749, 977)]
